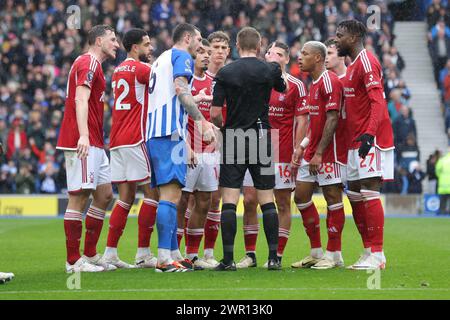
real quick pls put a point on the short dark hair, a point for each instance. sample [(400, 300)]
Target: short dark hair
[(133, 36), (98, 31), (205, 42), (281, 45), (355, 28), (219, 36), (249, 39), (181, 29), (330, 42)]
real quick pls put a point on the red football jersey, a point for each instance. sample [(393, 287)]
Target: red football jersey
[(197, 143), (130, 83), (365, 102), (85, 71), (283, 108), (325, 94)]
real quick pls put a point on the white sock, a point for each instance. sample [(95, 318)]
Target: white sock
[(191, 256), (329, 255), (164, 256), (142, 252), (176, 255), (209, 253), (317, 253), (110, 252), (379, 255), (336, 256)]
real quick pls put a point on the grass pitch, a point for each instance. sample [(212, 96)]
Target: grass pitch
[(417, 251)]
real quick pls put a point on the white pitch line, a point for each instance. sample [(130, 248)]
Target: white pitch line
[(223, 289)]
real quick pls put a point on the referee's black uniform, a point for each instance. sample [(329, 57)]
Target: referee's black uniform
[(245, 85)]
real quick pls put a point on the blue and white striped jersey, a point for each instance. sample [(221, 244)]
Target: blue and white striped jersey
[(166, 115)]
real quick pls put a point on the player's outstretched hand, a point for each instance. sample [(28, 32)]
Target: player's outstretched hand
[(314, 164), (366, 144), (297, 157), (191, 158), (209, 131), (202, 96), (83, 147)]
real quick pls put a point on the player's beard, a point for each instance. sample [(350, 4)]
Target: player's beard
[(205, 68), (144, 58), (341, 52)]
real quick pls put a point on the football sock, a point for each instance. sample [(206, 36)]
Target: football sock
[(146, 222), (250, 237), (117, 223), (359, 215), (283, 236), (143, 252), (375, 219), (194, 237), (212, 226), (311, 222), (180, 233), (270, 223), (73, 226), (228, 225), (94, 224), (166, 222), (335, 225)]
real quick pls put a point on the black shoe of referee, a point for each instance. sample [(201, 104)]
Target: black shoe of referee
[(225, 267), (274, 264)]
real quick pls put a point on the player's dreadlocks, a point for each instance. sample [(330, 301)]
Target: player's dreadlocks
[(355, 28)]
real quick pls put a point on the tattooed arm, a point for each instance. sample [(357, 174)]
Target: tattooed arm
[(186, 99)]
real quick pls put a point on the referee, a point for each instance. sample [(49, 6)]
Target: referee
[(245, 86)]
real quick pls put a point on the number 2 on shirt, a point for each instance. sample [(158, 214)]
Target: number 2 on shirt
[(126, 89)]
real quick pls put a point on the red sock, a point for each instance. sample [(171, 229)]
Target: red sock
[(359, 215), (117, 223), (94, 224), (180, 233), (375, 219), (335, 225), (311, 222), (193, 239), (146, 222), (250, 237), (212, 226), (73, 226), (283, 236)]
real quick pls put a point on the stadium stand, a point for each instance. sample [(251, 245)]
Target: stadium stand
[(37, 49)]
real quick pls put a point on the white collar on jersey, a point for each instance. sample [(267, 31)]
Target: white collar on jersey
[(357, 57), (94, 57), (130, 59), (318, 79), (200, 79)]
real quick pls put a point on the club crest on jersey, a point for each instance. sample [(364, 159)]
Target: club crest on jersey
[(316, 96), (188, 65), (90, 76), (282, 97)]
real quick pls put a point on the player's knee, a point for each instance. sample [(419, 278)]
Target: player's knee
[(250, 204), (284, 207)]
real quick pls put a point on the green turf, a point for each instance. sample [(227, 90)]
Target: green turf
[(417, 249)]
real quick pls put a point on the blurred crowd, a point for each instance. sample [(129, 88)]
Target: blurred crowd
[(438, 21), (37, 49)]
